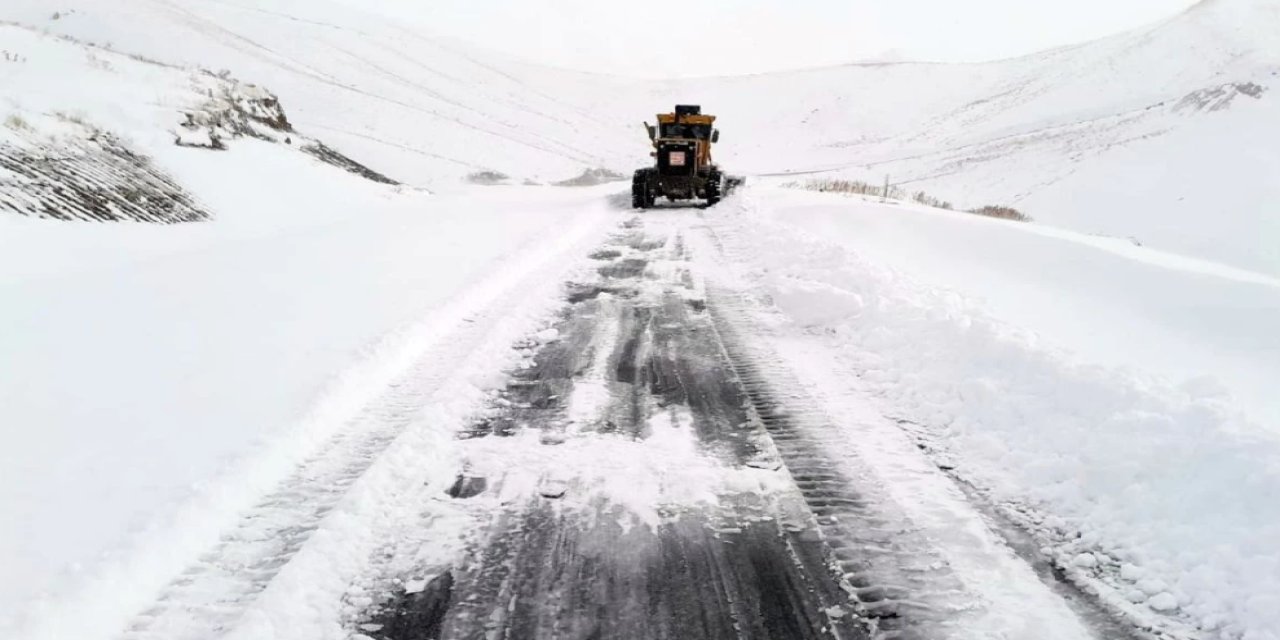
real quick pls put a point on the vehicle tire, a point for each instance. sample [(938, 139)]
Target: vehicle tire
[(715, 187), (641, 191)]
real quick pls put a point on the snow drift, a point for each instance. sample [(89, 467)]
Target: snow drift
[(1127, 418)]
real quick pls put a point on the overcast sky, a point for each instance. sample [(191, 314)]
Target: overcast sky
[(662, 38)]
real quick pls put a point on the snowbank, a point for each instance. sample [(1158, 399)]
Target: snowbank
[(1104, 299), (1016, 357), (428, 110)]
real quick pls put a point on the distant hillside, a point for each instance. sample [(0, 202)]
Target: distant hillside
[(419, 109), (1152, 135)]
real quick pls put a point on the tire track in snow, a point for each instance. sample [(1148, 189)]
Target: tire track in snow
[(210, 598), (619, 490), (898, 580), (862, 474)]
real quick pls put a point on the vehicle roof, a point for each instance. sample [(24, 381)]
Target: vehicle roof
[(670, 118)]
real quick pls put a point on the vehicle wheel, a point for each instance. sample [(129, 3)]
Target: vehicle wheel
[(641, 192), (715, 187)]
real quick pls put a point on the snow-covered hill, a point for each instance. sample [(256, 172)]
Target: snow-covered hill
[(428, 110), (1151, 135)]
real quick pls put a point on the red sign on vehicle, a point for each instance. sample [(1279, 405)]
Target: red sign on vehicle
[(676, 159)]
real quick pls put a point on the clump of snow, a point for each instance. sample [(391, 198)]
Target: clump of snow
[(198, 137), (1130, 572), (1085, 561), (591, 177), (1163, 602), (815, 303), (1152, 586)]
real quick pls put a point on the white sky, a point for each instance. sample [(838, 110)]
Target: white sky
[(664, 38)]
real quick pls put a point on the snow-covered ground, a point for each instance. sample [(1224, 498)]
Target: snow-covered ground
[(157, 381), (1116, 400), (1106, 300), (196, 364), (1150, 134)]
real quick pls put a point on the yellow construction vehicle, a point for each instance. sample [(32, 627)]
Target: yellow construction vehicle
[(683, 169)]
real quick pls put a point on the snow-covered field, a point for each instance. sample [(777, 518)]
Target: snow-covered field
[(1104, 377)]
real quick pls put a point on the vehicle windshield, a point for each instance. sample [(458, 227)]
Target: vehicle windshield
[(674, 130)]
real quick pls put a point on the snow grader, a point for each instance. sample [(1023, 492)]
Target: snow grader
[(683, 169)]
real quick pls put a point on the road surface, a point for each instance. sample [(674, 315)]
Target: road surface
[(643, 472)]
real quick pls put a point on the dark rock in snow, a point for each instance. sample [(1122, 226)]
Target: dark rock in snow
[(467, 487)]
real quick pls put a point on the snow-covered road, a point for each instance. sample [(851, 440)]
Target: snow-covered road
[(646, 468), (335, 403), (620, 487), (686, 423)]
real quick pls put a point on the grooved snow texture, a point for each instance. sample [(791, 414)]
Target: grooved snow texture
[(92, 179), (337, 159)]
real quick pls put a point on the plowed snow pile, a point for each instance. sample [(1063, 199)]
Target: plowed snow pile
[(1127, 418)]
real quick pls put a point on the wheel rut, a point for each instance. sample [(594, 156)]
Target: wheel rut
[(648, 472), (631, 490)]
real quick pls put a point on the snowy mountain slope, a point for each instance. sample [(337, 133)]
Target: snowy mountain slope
[(1097, 137), (430, 111), (107, 146)]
